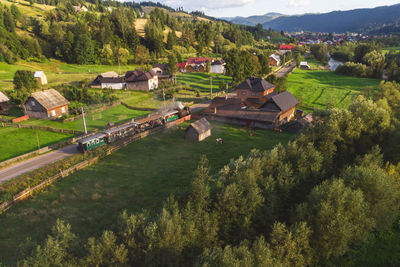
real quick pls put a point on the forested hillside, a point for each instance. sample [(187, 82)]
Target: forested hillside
[(96, 32)]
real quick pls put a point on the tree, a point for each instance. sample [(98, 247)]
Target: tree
[(142, 55), (320, 52), (122, 55), (171, 40), (338, 216), (24, 85), (84, 50), (376, 63), (106, 55), (361, 50), (172, 64)]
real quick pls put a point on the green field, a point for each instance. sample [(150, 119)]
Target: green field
[(15, 142), (317, 88), (57, 72), (391, 49), (201, 80), (139, 176), (94, 120)]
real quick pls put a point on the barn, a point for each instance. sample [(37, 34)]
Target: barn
[(198, 131), (46, 104)]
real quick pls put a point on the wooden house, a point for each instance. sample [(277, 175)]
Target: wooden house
[(4, 106), (162, 72), (198, 131), (110, 80), (254, 90), (274, 60), (41, 77), (141, 80), (46, 104), (277, 110)]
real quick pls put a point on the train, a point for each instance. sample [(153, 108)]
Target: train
[(120, 132)]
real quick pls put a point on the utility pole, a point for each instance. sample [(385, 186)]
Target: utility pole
[(37, 139), (84, 121), (163, 93), (211, 78), (119, 66)]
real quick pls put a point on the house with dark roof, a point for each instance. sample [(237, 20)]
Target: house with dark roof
[(198, 131), (109, 80), (275, 111), (46, 104), (141, 80), (255, 90), (162, 72)]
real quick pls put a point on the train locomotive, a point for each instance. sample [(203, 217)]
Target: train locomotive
[(114, 134)]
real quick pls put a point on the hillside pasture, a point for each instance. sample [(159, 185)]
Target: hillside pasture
[(139, 176), (319, 88), (15, 142)]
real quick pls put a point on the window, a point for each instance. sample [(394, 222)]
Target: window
[(53, 113), (244, 92), (63, 110), (254, 94), (97, 141), (33, 103)]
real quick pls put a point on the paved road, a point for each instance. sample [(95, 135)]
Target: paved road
[(36, 163), (288, 68)]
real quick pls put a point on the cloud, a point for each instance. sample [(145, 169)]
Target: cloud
[(299, 3), (206, 4)]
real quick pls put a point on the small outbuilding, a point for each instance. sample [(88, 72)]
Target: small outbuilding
[(304, 65), (46, 104), (41, 77), (198, 131), (4, 106)]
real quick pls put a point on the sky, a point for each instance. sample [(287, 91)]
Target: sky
[(232, 8)]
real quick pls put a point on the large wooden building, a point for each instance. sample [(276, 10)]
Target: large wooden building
[(141, 80), (256, 105), (46, 104), (198, 131)]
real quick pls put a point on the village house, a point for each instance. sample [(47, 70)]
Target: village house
[(218, 66), (4, 106), (264, 108), (46, 104), (198, 131), (41, 77), (182, 66), (162, 72), (79, 9), (197, 64), (274, 60), (141, 80), (286, 47), (304, 65), (254, 91), (110, 80)]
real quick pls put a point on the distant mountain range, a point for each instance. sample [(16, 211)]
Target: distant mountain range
[(253, 20), (357, 20)]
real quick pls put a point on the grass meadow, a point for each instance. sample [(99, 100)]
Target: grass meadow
[(201, 80), (139, 176), (319, 88), (15, 141)]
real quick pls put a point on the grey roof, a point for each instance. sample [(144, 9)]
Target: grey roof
[(201, 126), (90, 138), (137, 75), (49, 99), (285, 100), (255, 84), (3, 98), (275, 57)]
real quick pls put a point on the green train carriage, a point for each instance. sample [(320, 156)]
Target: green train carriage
[(91, 142)]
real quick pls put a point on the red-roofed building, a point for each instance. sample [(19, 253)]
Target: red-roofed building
[(199, 60), (182, 66), (286, 47)]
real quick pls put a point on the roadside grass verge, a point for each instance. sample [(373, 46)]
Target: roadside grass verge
[(139, 176), (18, 141)]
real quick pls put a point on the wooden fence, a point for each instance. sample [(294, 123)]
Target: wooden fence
[(81, 165)]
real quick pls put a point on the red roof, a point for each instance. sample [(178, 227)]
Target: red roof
[(181, 65), (198, 60), (286, 47)]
